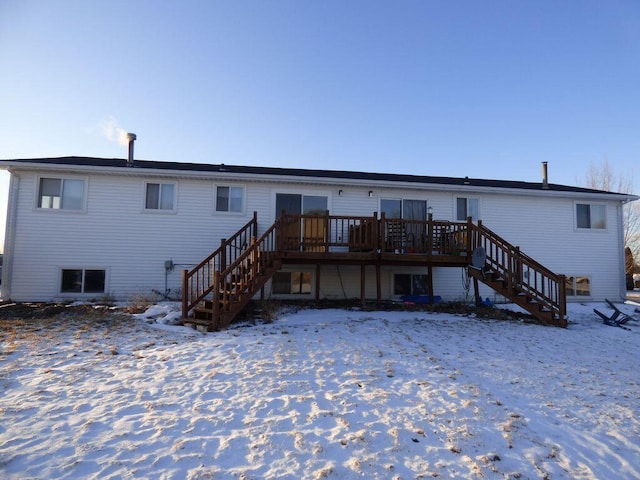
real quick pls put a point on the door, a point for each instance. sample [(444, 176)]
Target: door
[(308, 233), (405, 227)]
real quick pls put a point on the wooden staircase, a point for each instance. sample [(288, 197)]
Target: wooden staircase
[(520, 278), (218, 288)]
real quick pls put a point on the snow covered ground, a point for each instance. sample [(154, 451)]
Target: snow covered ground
[(321, 394)]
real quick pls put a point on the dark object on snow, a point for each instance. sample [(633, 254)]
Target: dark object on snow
[(420, 299), (617, 318), (487, 302)]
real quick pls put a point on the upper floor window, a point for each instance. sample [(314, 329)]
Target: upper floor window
[(590, 216), (159, 196), (404, 208), (229, 199), (467, 207), (61, 193)]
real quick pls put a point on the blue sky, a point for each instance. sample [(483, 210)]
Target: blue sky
[(480, 88)]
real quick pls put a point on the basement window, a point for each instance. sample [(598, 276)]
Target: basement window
[(61, 194), (78, 280), (291, 283), (578, 286), (407, 284)]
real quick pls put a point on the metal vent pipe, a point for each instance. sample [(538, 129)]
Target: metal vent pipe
[(132, 138), (545, 176)]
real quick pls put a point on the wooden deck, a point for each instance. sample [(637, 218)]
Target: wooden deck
[(224, 282)]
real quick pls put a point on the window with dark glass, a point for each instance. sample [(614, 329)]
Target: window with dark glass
[(590, 216), (467, 207), (229, 199), (408, 284), (577, 286), (82, 281), (61, 194), (288, 283), (159, 196)]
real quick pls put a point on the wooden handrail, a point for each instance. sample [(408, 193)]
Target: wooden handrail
[(522, 273), (198, 282), (237, 279), (232, 270)]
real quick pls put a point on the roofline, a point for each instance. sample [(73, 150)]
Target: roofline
[(306, 176)]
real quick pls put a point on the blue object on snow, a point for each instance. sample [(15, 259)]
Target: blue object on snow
[(487, 302), (420, 299)]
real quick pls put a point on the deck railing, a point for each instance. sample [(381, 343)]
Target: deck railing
[(332, 233), (522, 273), (231, 272), (198, 282)]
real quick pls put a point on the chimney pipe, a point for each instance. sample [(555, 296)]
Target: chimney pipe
[(545, 176), (132, 138)]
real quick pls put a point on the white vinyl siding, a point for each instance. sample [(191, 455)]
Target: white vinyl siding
[(133, 248)]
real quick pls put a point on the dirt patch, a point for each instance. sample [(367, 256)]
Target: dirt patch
[(32, 311)]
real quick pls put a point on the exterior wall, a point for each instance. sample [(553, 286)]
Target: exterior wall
[(115, 233)]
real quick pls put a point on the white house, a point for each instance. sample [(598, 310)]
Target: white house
[(83, 228)]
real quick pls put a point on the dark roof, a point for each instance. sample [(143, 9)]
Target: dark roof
[(300, 172)]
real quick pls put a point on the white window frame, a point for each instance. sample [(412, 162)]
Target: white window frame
[(467, 199), (159, 210), (85, 184), (575, 290), (589, 228), (82, 291), (228, 211)]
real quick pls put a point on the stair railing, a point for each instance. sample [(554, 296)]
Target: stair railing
[(522, 273), (198, 282), (239, 279)]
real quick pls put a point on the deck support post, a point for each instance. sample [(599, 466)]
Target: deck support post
[(476, 292), (430, 283), (317, 282), (378, 285), (362, 283), (185, 288)]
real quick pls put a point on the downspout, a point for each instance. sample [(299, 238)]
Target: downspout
[(10, 234), (621, 259)]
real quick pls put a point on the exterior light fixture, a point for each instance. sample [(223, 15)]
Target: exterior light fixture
[(340, 192), (430, 211), (371, 193)]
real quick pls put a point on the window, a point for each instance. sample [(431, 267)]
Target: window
[(229, 199), (288, 283), (159, 196), (467, 207), (578, 286), (407, 284), (61, 194), (82, 281), (590, 216), (406, 208)]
